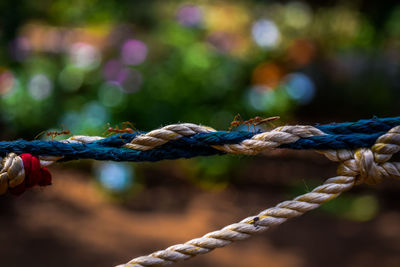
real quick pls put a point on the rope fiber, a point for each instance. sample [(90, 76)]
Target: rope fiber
[(190, 140), (363, 149)]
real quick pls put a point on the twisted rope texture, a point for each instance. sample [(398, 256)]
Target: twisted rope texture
[(188, 140), (20, 172), (362, 148), (356, 167)]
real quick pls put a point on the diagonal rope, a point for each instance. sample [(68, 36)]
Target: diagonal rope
[(244, 229)]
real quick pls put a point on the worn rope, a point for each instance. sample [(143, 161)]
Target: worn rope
[(363, 149), (362, 165), (187, 140), (20, 172)]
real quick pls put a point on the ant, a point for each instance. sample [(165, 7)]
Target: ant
[(54, 134), (255, 221), (237, 121), (130, 129)]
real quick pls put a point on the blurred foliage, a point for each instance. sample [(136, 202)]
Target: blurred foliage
[(349, 206), (86, 63), (213, 173), (118, 181), (81, 64), (353, 207)]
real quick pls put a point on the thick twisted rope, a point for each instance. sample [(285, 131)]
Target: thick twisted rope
[(364, 150), (361, 165), (187, 140), (248, 226)]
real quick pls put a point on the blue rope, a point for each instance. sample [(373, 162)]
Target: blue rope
[(338, 136), (371, 126)]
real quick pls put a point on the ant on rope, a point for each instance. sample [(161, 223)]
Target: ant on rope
[(125, 130), (257, 120), (255, 221), (117, 130), (54, 134)]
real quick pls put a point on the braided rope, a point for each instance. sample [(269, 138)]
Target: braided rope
[(189, 140), (248, 226), (356, 167), (161, 136), (270, 140)]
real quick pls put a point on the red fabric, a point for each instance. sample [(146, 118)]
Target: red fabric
[(34, 174)]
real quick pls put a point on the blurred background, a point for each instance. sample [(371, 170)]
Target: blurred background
[(85, 65)]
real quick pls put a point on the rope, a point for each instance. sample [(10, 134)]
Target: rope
[(190, 140), (362, 165), (364, 150), (183, 140), (18, 173)]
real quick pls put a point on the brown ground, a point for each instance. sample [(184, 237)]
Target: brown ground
[(72, 223)]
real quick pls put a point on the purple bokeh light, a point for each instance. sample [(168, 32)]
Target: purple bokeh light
[(190, 15), (129, 79), (20, 49), (133, 52), (132, 81), (111, 69), (222, 41)]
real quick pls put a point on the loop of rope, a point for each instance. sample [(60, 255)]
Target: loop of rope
[(12, 172), (18, 173), (370, 165)]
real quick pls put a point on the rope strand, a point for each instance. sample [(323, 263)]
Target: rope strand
[(249, 226)]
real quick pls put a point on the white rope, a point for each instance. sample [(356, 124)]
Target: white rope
[(258, 143), (248, 226), (12, 172)]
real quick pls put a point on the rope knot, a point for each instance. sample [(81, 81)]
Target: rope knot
[(370, 172), (18, 173)]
